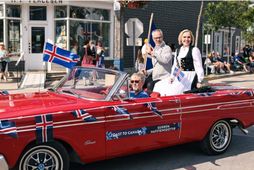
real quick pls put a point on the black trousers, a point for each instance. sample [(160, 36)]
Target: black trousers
[(149, 84), (3, 66)]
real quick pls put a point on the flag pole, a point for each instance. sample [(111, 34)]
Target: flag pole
[(148, 37)]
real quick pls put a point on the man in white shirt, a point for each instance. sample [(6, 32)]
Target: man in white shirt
[(161, 56)]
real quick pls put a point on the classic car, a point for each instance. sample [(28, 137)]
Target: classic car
[(89, 116)]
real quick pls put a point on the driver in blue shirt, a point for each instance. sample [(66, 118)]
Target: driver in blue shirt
[(137, 82)]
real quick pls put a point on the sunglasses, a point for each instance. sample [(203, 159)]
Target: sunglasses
[(135, 81)]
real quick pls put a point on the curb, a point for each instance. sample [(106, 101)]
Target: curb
[(214, 77)]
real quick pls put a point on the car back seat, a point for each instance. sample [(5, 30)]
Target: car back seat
[(155, 94)]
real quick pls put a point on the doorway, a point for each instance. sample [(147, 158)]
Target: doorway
[(37, 37)]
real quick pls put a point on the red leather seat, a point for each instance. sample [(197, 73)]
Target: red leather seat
[(155, 94)]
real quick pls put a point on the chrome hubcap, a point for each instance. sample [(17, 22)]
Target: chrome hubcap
[(220, 136), (41, 160)]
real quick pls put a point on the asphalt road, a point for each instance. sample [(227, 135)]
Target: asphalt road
[(239, 156)]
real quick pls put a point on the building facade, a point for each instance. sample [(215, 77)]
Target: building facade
[(26, 24)]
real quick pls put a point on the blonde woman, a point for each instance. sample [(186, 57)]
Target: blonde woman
[(4, 59), (188, 59)]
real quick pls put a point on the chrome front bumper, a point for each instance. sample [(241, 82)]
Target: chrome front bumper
[(3, 163)]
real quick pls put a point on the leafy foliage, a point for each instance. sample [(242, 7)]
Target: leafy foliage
[(221, 14), (227, 14)]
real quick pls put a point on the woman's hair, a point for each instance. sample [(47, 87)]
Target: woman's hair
[(209, 55), (181, 35), (140, 57), (99, 43)]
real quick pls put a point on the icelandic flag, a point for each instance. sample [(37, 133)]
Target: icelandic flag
[(82, 114), (54, 54), (149, 63), (8, 127), (178, 74), (122, 111), (153, 108), (4, 92), (248, 92), (44, 128)]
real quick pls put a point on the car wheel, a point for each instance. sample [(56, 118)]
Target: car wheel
[(218, 138), (50, 156)]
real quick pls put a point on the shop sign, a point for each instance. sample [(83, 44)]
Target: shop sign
[(38, 1)]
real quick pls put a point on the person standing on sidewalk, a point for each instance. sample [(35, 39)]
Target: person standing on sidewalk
[(161, 56), (4, 59)]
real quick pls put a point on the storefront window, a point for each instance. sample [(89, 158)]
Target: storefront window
[(38, 13), (84, 31), (13, 11), (89, 13), (1, 31), (101, 32), (13, 35), (1, 11), (89, 24), (61, 34), (60, 12)]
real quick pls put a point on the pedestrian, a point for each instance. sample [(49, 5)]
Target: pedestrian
[(140, 63), (4, 60), (161, 56), (251, 59), (239, 62), (246, 52), (93, 51), (100, 54), (209, 64), (224, 63), (87, 59)]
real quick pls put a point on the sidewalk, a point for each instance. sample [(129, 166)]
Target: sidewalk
[(219, 76), (12, 85)]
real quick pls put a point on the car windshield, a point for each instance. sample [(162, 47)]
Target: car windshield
[(90, 83)]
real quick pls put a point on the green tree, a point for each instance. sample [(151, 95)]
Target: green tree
[(227, 14), (248, 33)]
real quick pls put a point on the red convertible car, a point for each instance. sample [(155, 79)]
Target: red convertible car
[(89, 116)]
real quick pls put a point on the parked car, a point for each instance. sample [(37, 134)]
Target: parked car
[(89, 116)]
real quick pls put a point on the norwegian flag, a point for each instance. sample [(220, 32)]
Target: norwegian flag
[(44, 128), (57, 55), (82, 114), (178, 74), (122, 111), (153, 108), (8, 127), (4, 92)]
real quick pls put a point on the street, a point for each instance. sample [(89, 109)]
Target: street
[(240, 154)]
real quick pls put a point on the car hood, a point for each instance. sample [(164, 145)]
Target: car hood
[(25, 104)]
